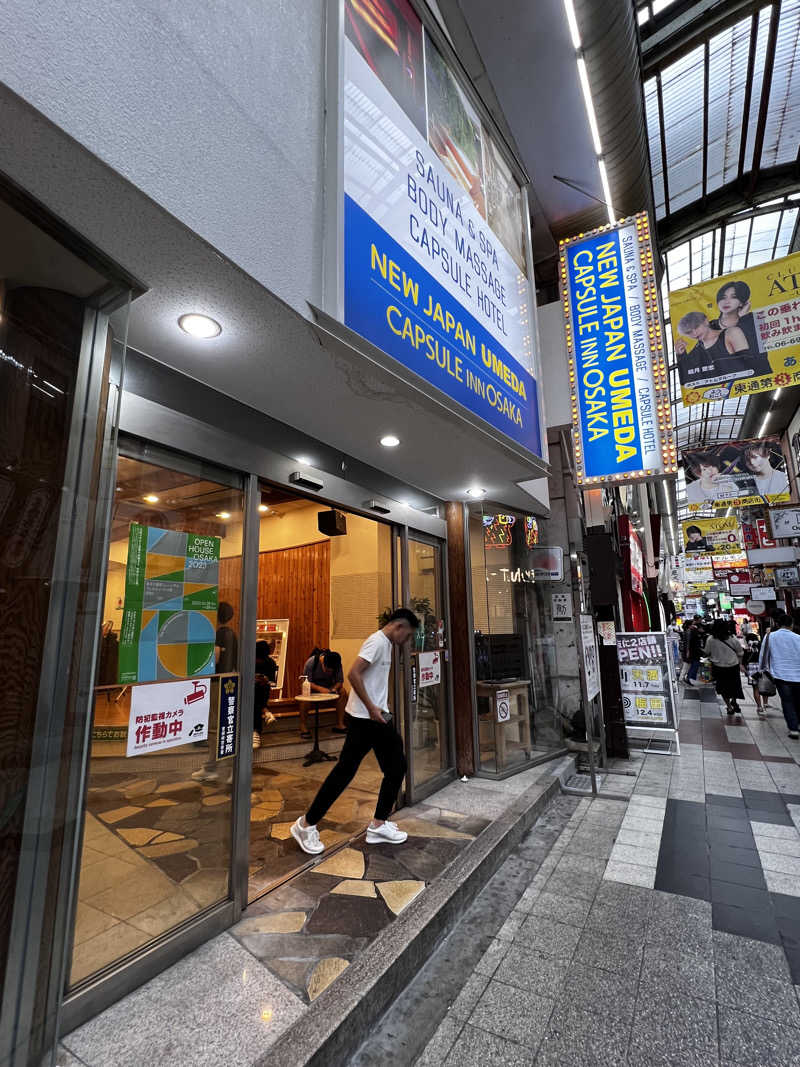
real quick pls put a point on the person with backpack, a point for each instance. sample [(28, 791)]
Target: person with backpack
[(725, 654), (780, 659), (324, 672)]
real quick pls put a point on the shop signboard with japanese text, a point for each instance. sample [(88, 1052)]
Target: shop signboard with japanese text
[(716, 537), (738, 334), (168, 714), (228, 716), (645, 671), (785, 522), (435, 224), (621, 416), (736, 474), (169, 621), (591, 664), (430, 669)]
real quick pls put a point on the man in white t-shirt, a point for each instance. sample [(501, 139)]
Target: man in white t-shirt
[(369, 727)]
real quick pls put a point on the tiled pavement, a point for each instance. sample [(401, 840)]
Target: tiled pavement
[(660, 931)]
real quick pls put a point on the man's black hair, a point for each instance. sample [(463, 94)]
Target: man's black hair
[(693, 529), (782, 619), (224, 611), (404, 615), (333, 660)]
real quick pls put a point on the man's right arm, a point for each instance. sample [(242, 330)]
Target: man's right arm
[(355, 677)]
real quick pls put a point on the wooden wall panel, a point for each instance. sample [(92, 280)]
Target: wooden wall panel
[(293, 584)]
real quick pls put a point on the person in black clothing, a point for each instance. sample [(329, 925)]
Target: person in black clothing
[(323, 668), (694, 650), (108, 656), (718, 356), (733, 301), (226, 644)]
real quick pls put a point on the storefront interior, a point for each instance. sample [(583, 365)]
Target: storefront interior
[(157, 845)]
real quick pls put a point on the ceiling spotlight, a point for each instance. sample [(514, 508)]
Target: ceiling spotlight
[(199, 326), (223, 514), (151, 498), (476, 491), (263, 508), (390, 441), (303, 461)]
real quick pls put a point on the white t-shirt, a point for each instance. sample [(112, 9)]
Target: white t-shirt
[(377, 651)]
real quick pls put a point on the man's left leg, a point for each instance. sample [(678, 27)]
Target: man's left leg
[(388, 748)]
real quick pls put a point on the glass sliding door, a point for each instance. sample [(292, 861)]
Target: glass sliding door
[(429, 734)]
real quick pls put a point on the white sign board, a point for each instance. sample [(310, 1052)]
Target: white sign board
[(503, 705), (647, 679), (762, 592), (785, 522), (430, 669), (562, 606), (168, 714), (607, 630), (786, 576), (642, 708), (756, 607), (591, 665)]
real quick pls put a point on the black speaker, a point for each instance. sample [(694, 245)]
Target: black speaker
[(332, 523)]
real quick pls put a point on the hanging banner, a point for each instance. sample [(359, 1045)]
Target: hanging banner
[(738, 334), (736, 474), (749, 535), (719, 537), (724, 566), (621, 415), (764, 539), (740, 582), (637, 561), (697, 567), (169, 622), (785, 577), (434, 227)]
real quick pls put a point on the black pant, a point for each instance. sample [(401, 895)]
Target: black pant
[(363, 735)]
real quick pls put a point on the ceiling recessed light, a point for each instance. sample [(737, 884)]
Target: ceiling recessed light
[(390, 441), (303, 461), (263, 508), (151, 498), (199, 326), (476, 491), (223, 514)]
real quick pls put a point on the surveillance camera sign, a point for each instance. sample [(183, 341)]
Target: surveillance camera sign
[(168, 714)]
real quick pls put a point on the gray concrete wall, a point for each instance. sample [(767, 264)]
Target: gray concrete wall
[(214, 109), (554, 364)]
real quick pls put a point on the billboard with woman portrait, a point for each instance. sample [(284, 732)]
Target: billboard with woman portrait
[(738, 334), (736, 474)]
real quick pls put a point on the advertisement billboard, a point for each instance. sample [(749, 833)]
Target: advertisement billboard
[(736, 474), (434, 224), (621, 416), (718, 537), (785, 522), (738, 334)]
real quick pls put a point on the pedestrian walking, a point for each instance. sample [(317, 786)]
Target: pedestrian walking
[(369, 726), (725, 653), (756, 678), (694, 650), (780, 658)]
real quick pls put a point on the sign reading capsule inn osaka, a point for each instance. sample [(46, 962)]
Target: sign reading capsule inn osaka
[(621, 417), (435, 224)]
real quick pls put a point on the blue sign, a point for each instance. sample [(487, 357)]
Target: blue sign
[(619, 430), (397, 305)]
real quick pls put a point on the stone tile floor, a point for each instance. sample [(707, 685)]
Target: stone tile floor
[(660, 930), (251, 983)]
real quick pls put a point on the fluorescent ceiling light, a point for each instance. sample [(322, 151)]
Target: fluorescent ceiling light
[(303, 461), (390, 441), (587, 99), (199, 326), (151, 498), (764, 424), (606, 191), (572, 22)]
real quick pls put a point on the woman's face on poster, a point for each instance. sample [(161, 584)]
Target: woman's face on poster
[(708, 472), (729, 301)]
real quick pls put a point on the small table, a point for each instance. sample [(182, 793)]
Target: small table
[(316, 755)]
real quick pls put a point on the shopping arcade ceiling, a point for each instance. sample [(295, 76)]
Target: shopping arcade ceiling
[(721, 86)]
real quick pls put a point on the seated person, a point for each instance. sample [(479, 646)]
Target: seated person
[(324, 671), (266, 676)]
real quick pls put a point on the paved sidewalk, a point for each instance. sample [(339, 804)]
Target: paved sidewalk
[(660, 931)]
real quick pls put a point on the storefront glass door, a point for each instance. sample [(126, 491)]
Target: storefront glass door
[(429, 738)]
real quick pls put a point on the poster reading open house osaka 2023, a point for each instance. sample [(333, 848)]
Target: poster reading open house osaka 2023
[(434, 234)]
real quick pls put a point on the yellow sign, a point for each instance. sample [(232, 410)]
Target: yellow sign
[(738, 334), (718, 537)]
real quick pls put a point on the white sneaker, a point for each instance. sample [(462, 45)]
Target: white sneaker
[(205, 776), (389, 832), (307, 838), (794, 735), (256, 739)]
